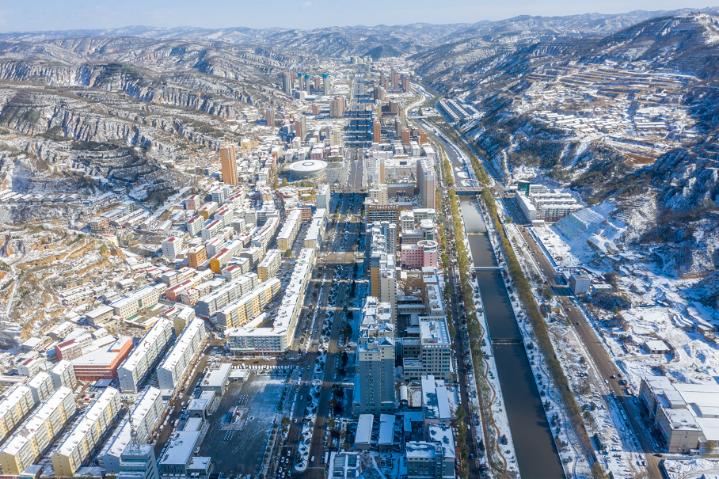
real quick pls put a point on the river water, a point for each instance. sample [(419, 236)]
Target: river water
[(533, 442)]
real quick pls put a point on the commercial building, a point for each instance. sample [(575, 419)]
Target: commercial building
[(435, 353), (179, 361), (435, 401), (138, 461), (134, 370), (178, 460), (216, 378), (84, 437), (270, 264), (253, 338), (228, 164), (144, 418), (24, 447), (103, 362), (374, 381)]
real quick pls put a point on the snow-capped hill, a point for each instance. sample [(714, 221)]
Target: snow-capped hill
[(686, 43)]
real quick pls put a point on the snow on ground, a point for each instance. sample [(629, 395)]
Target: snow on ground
[(657, 310), (692, 469)]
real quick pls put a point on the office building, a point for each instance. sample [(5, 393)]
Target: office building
[(435, 353), (423, 254), (84, 437), (138, 461), (426, 183), (228, 164), (374, 382)]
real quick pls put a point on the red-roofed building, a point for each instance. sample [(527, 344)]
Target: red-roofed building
[(102, 363)]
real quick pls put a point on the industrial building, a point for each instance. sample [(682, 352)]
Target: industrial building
[(685, 414)]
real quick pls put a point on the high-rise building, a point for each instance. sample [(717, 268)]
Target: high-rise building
[(374, 383), (270, 117), (337, 107), (138, 462), (426, 183), (287, 82), (228, 162), (377, 131)]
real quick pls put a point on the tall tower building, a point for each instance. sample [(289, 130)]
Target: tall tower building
[(375, 359), (426, 183), (228, 162), (377, 131), (287, 82)]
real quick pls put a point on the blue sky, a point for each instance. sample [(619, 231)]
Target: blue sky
[(26, 15)]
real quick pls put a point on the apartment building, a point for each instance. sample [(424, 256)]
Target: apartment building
[(24, 447), (249, 306), (133, 371), (85, 436), (13, 408), (173, 370)]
